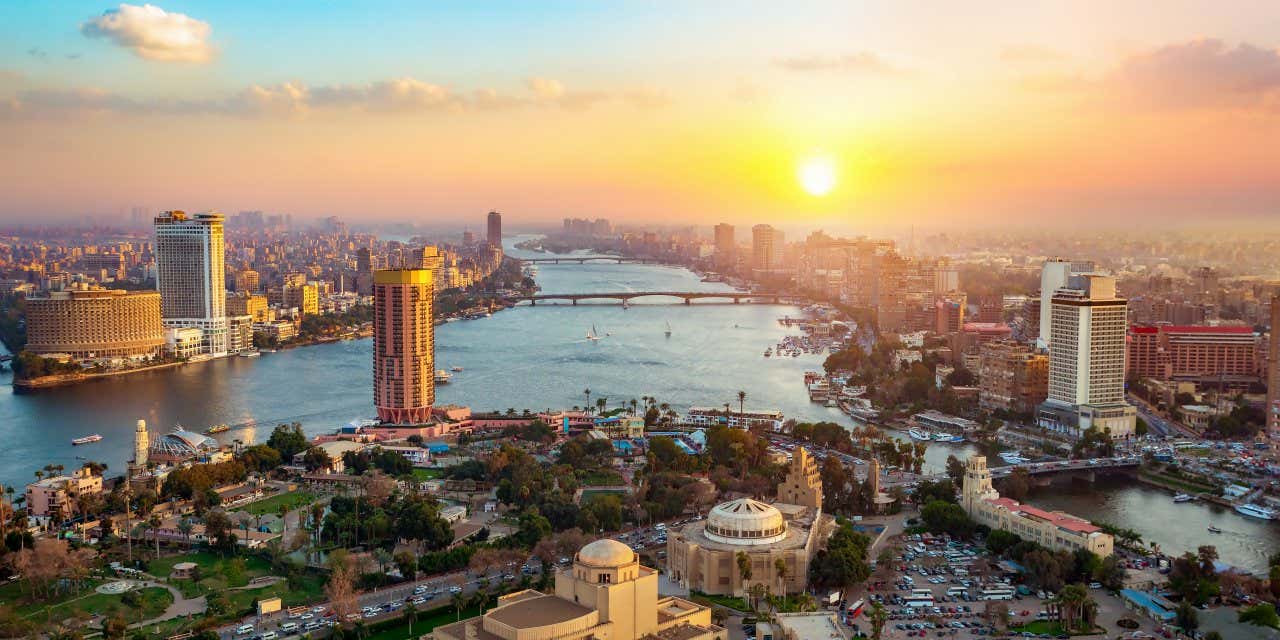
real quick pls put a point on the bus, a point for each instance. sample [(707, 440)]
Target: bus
[(855, 609), (955, 591), (997, 594), (922, 594)]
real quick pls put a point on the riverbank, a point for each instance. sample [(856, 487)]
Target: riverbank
[(65, 379)]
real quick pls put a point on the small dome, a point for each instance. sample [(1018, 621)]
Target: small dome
[(745, 521), (606, 553)]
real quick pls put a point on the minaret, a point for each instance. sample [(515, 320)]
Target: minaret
[(977, 484), (141, 445)]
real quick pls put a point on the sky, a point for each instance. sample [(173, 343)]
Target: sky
[(947, 115)]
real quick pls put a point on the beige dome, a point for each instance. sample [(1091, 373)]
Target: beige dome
[(606, 553), (746, 522)]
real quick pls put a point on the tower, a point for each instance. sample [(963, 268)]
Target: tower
[(191, 275), (494, 229), (803, 484), (141, 445), (977, 484), (766, 247), (403, 345), (1053, 276), (873, 477)]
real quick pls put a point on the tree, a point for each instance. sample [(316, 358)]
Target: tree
[(407, 563), (288, 440), (340, 589), (411, 615), (1187, 617), (955, 470), (780, 568), (1262, 614), (316, 459), (878, 617), (744, 568), (742, 398)]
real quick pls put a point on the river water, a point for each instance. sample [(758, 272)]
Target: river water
[(527, 357)]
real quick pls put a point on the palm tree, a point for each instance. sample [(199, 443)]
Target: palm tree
[(459, 603), (780, 568), (587, 406), (601, 403), (744, 569), (185, 527), (411, 614), (742, 398), (633, 406), (877, 616), (155, 531)]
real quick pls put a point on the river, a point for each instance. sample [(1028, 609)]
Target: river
[(527, 357)]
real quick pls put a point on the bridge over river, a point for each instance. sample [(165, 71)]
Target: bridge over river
[(1076, 468), (586, 259), (687, 296)]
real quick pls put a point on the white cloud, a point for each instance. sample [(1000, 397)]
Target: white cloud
[(153, 33), (546, 88)]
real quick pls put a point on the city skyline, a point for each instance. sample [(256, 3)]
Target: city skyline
[(822, 114)]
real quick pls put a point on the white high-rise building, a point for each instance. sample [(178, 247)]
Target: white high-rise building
[(1053, 276), (1086, 359), (767, 244), (191, 277)]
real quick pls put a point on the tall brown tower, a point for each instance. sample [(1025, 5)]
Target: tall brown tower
[(803, 484)]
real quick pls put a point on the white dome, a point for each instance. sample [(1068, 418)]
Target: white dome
[(605, 553), (746, 522)]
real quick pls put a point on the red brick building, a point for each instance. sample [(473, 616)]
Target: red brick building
[(1195, 353)]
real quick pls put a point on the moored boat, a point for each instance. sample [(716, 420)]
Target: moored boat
[(250, 354), (86, 439), (217, 428), (1213, 529), (1013, 457), (442, 376), (1256, 511), (1182, 497), (919, 434)]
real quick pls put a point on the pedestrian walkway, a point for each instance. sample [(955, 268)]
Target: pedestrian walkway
[(181, 607)]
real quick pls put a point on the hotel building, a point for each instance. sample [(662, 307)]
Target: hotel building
[(494, 230), (95, 323), (605, 594), (54, 497), (191, 276), (1053, 276), (1226, 355), (1086, 360), (1051, 529), (403, 346)]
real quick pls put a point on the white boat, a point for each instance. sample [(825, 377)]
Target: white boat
[(592, 335), (1213, 529), (250, 354), (947, 437), (1012, 457), (668, 331), (1256, 511), (1182, 497), (87, 439), (442, 376), (919, 434), (457, 369)]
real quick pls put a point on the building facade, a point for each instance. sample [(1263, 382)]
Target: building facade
[(1226, 355), (191, 275), (766, 247), (1011, 377), (703, 555), (1053, 276), (96, 323), (726, 246), (1054, 530), (1087, 360), (403, 346), (493, 228), (55, 497), (1273, 379), (605, 594)]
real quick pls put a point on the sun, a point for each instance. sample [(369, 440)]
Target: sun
[(817, 175)]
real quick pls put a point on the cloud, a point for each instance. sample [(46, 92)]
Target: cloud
[(153, 33), (548, 91), (859, 62), (1018, 53), (546, 88), (1202, 73)]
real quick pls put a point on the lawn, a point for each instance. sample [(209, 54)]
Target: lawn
[(291, 500), (216, 572), (420, 473), (737, 604), (601, 478), (154, 601), (1051, 627), (427, 621)]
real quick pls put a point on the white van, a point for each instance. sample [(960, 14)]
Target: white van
[(270, 635), (288, 627), (244, 630)]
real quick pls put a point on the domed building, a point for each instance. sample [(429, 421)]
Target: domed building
[(179, 445), (605, 594), (704, 555)]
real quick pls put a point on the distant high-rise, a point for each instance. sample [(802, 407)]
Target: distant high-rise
[(494, 228), (726, 245), (191, 276), (1086, 359), (766, 247), (1273, 377), (1053, 276), (403, 346), (364, 271)]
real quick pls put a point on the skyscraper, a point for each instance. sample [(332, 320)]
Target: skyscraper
[(1273, 378), (364, 271), (494, 237), (766, 247), (726, 245), (403, 346), (1086, 359), (1053, 276), (191, 277)]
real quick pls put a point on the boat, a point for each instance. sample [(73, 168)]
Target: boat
[(457, 369), (249, 354), (442, 376), (1012, 457), (668, 331), (1213, 529), (1182, 497), (1256, 511), (626, 304), (217, 428), (592, 335), (919, 434), (87, 439), (947, 437), (768, 352)]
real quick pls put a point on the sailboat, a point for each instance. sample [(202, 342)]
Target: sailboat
[(592, 335), (668, 331)]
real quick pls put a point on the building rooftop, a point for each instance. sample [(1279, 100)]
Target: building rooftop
[(538, 612), (606, 552), (1057, 518), (811, 626)]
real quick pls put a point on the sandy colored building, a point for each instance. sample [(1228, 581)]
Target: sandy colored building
[(703, 555), (1011, 377), (1055, 530), (403, 346), (606, 594), (55, 496), (96, 323), (242, 303)]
